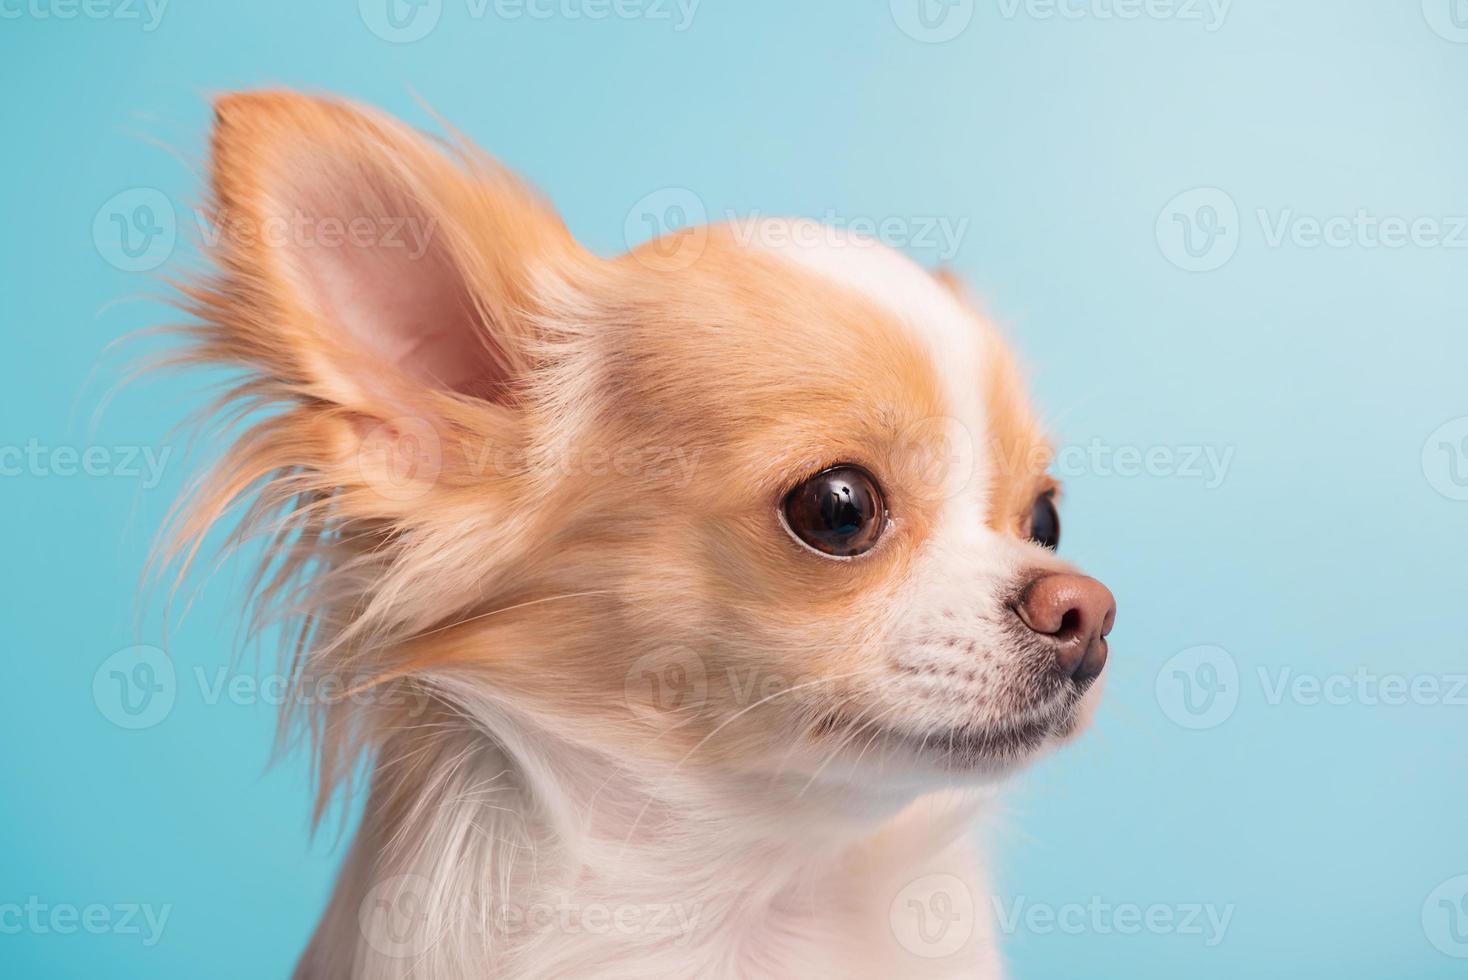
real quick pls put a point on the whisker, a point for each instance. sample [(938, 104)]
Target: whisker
[(504, 609)]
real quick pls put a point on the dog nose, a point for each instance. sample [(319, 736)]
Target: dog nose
[(1077, 613)]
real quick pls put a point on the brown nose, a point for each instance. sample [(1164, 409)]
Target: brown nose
[(1077, 613)]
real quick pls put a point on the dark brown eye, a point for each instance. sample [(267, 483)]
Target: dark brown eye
[(1045, 521), (838, 512)]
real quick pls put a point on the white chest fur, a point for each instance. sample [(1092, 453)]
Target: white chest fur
[(484, 869)]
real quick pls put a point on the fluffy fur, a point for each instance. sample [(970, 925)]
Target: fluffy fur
[(524, 505)]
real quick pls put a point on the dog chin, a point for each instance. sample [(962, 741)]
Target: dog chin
[(1083, 711), (998, 750), (984, 752), (971, 753)]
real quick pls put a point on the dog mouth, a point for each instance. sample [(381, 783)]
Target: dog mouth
[(970, 747), (980, 746)]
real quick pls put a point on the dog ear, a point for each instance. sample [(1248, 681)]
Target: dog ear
[(365, 266), (381, 292)]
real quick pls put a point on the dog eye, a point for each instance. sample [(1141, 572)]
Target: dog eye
[(838, 512), (1045, 521)]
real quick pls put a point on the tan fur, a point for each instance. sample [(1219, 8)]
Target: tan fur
[(521, 553)]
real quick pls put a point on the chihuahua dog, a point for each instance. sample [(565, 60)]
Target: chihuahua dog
[(681, 609)]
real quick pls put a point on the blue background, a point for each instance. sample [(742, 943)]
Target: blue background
[(1331, 543)]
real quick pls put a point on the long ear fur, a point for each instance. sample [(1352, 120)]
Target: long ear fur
[(380, 295)]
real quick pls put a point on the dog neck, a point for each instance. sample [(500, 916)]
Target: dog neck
[(487, 849)]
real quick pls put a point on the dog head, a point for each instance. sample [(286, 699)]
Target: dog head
[(762, 499)]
